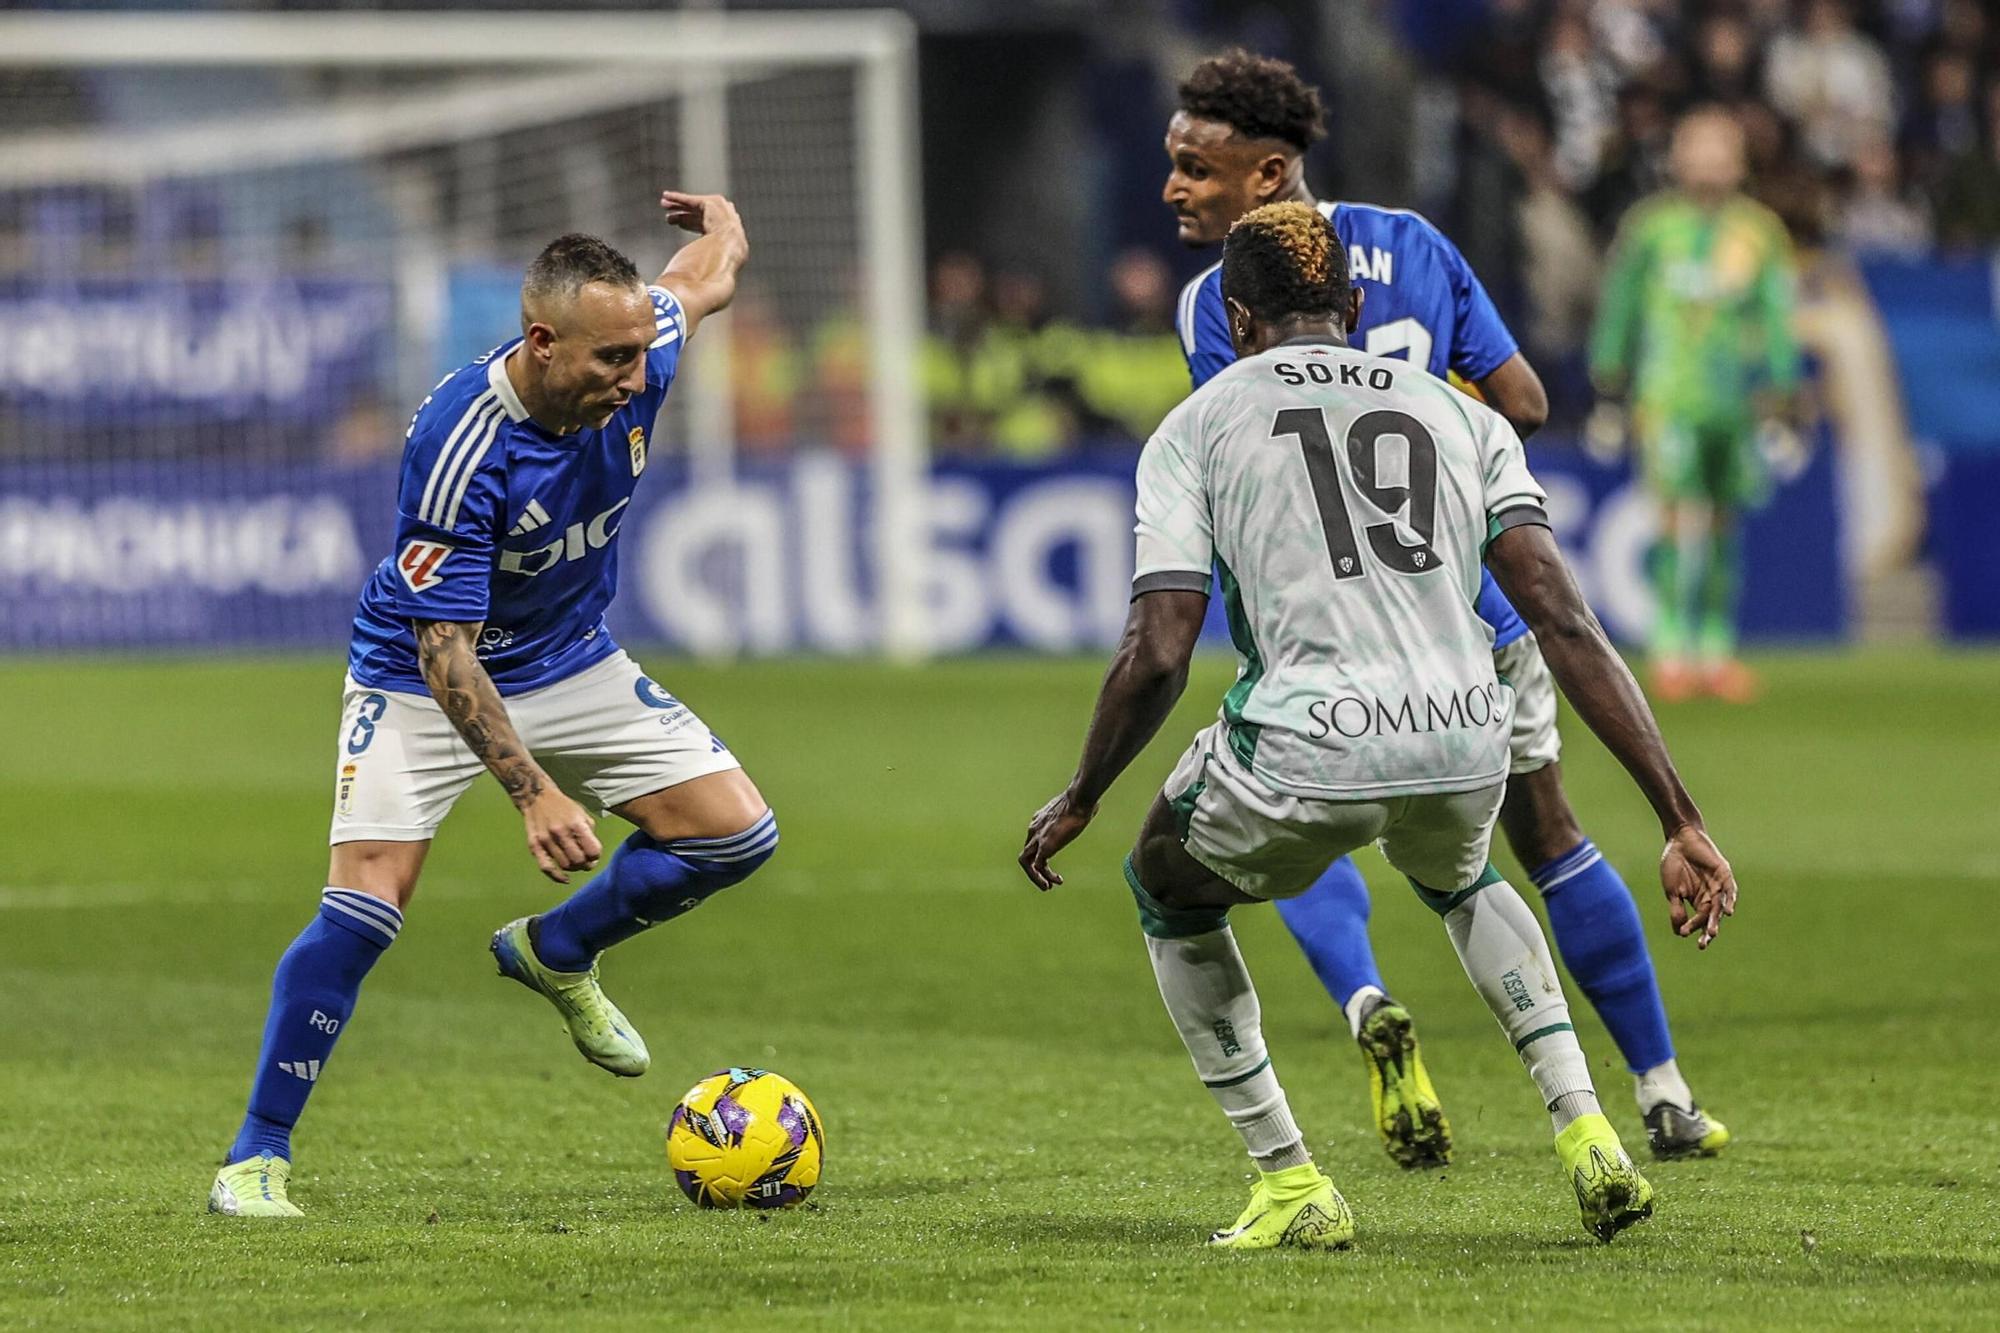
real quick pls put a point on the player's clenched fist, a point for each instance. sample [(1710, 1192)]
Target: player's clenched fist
[(560, 834)]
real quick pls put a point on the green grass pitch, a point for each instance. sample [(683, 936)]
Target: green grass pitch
[(1016, 1139)]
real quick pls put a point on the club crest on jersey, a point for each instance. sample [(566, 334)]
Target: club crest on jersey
[(637, 439), (418, 564)]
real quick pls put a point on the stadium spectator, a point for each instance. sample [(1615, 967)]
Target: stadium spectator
[(1559, 252), (1944, 123), (764, 375), (1132, 374), (1880, 212), (837, 409), (1968, 197), (958, 319), (1726, 66), (1833, 81), (1635, 161), (1581, 86)]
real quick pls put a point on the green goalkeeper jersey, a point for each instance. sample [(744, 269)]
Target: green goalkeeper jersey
[(1697, 309)]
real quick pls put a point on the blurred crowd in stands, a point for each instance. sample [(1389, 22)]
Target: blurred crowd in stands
[(1871, 128)]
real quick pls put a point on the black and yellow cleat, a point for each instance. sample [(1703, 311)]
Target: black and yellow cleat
[(1407, 1111), (1675, 1133), (1610, 1192)]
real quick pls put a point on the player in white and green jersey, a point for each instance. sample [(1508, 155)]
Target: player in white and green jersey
[(1348, 501)]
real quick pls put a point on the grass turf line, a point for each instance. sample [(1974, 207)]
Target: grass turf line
[(1015, 1137)]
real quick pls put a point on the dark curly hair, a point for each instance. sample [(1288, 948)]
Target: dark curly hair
[(1283, 260), (1258, 97)]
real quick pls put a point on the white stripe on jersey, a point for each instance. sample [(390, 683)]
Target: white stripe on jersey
[(666, 337), (441, 471), (1190, 297), (491, 428)]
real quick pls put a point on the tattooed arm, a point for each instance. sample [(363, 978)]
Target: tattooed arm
[(559, 830)]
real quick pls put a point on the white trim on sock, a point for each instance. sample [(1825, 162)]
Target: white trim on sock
[(1662, 1084), (1356, 1007)]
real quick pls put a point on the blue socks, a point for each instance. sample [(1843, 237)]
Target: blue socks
[(319, 977), (1598, 934), (647, 882), (1330, 922), (312, 997)]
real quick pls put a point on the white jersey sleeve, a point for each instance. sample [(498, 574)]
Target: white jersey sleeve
[(1513, 496), (1176, 530)]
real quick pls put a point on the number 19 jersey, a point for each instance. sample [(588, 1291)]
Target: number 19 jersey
[(1346, 501)]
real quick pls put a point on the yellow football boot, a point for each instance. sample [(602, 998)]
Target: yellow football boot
[(1297, 1206), (1407, 1111), (1609, 1189), (253, 1187)]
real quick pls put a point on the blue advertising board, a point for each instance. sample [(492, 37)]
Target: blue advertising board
[(86, 354), (1032, 557)]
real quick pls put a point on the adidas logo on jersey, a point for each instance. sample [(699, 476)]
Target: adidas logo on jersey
[(575, 542), (305, 1069), (536, 517)]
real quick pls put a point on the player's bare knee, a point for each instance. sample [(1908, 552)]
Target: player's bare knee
[(385, 870), (720, 805)]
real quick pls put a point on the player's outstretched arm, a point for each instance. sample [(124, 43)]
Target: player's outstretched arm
[(1699, 885), (1144, 682), (559, 830), (702, 275)]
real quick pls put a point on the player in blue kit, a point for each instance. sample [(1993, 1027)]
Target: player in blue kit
[(480, 643), (1238, 141)]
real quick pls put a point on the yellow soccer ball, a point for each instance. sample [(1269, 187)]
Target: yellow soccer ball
[(745, 1138)]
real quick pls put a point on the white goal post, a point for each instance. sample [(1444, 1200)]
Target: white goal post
[(692, 58)]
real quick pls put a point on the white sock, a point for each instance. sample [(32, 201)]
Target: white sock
[(1208, 993), (1501, 944), (1663, 1083), (1357, 1007)]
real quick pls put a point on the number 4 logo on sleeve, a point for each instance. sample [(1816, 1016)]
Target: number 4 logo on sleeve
[(418, 564)]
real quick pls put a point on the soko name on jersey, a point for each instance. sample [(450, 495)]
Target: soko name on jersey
[(1347, 374), (577, 541)]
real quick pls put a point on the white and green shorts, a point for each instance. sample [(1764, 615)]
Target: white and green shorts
[(1533, 744), (607, 735), (1271, 845)]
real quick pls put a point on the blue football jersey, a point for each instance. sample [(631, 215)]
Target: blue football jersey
[(499, 521), (1420, 301)]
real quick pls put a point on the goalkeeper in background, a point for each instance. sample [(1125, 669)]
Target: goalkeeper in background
[(1694, 337)]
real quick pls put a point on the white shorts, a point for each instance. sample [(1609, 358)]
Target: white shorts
[(1534, 743), (1271, 845), (606, 735)]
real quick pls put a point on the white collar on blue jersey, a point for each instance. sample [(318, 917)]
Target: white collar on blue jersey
[(496, 376)]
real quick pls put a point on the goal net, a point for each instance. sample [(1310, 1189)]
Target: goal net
[(236, 252)]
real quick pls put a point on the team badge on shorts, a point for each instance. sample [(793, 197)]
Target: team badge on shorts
[(344, 798), (637, 439), (651, 695), (418, 564)]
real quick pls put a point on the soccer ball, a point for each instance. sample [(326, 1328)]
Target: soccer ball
[(745, 1138)]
